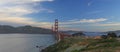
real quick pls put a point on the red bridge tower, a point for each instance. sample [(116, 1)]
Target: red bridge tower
[(58, 34)]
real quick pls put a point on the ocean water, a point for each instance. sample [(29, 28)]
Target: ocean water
[(25, 42)]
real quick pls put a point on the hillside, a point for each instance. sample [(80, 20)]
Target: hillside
[(24, 29), (85, 45)]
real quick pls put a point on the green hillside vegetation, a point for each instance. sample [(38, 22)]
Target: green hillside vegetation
[(80, 44)]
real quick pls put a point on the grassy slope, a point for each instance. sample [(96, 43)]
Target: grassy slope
[(103, 45), (78, 44)]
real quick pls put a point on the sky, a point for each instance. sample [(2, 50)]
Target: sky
[(78, 15)]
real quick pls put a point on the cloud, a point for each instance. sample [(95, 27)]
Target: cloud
[(22, 6), (3, 2), (108, 24), (73, 20), (18, 20), (13, 12), (23, 21), (89, 3), (85, 21), (92, 20)]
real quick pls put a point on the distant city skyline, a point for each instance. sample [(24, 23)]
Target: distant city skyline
[(79, 15)]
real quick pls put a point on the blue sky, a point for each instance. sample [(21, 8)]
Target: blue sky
[(79, 15)]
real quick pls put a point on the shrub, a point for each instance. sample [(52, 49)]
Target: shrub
[(119, 36), (112, 34), (78, 34)]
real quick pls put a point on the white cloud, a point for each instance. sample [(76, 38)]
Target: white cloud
[(21, 6), (89, 3), (85, 21), (92, 20), (108, 24), (14, 11), (3, 2), (73, 20), (24, 21)]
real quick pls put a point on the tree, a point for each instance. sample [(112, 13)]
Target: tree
[(112, 34), (119, 36)]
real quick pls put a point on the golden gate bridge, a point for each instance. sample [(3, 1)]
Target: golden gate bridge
[(59, 35)]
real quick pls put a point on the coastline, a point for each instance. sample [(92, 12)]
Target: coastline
[(78, 44)]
